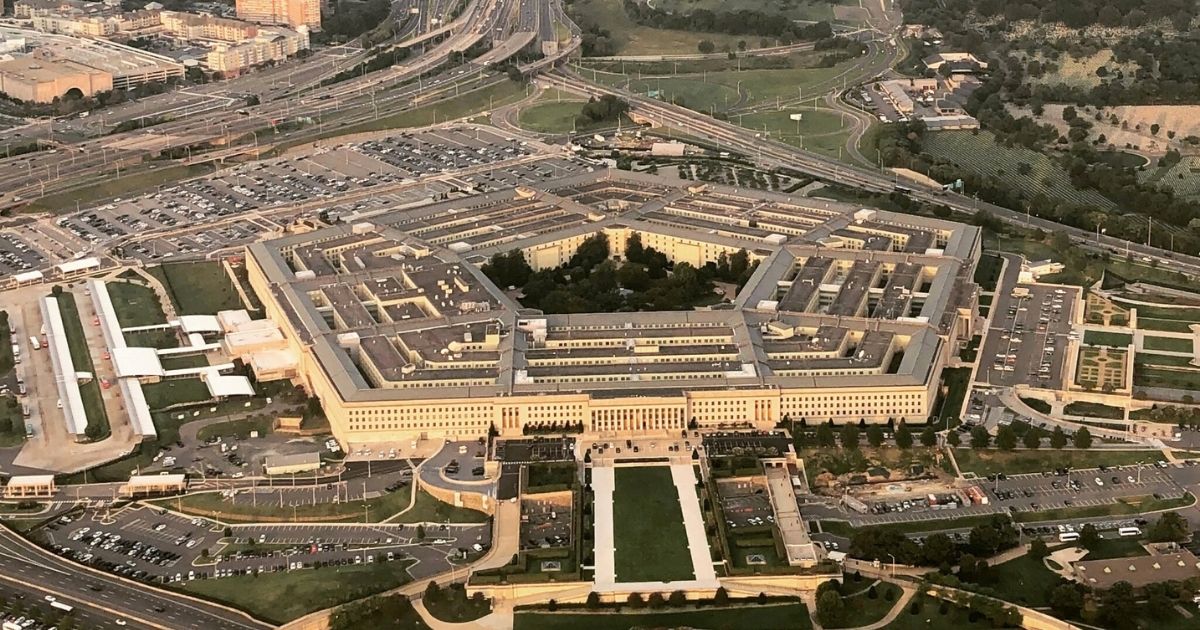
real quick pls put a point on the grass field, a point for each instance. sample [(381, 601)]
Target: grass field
[(633, 39), (1123, 507), (182, 362), (864, 609), (239, 429), (1168, 344), (281, 597), (1109, 548), (462, 106), (170, 392), (1162, 312), (820, 131), (1165, 325), (200, 288), (768, 617), (956, 381), (1024, 580), (981, 154), (986, 462), (718, 91), (1037, 405), (1101, 338), (806, 10), (1151, 359), (1095, 410), (135, 305), (164, 338), (12, 422), (1101, 368), (128, 184), (648, 527), (560, 117), (929, 616), (1145, 376), (81, 357)]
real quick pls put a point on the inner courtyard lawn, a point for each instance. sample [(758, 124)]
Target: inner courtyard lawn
[(648, 527)]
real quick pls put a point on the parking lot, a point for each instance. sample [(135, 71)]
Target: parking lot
[(745, 504), (231, 208), (759, 442), (157, 545), (545, 523), (1080, 488), (1028, 336), (530, 450)]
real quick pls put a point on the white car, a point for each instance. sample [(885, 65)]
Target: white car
[(1099, 482)]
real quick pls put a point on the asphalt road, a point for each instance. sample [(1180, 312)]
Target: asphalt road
[(23, 563)]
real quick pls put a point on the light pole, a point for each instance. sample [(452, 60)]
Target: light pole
[(893, 564)]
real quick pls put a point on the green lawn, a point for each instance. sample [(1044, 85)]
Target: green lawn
[(631, 38), (426, 510), (1169, 344), (1037, 405), (718, 91), (464, 105), (648, 527), (135, 305), (550, 477), (1024, 580), (1163, 312), (768, 617), (12, 422), (929, 617), (985, 462), (1150, 359), (560, 117), (161, 339), (93, 401), (177, 391), (182, 362), (1165, 325), (1101, 338), (862, 608), (820, 131), (1123, 507), (6, 355), (1145, 376), (200, 288), (1109, 548), (281, 597), (1095, 410), (455, 607), (237, 428)]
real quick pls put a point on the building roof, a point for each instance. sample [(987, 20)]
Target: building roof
[(199, 324), (136, 362), (1139, 570), (30, 480), (83, 264), (64, 368), (296, 459), (222, 385)]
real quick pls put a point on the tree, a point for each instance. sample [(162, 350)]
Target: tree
[(634, 250), (904, 438), (1083, 438), (875, 436), (1006, 438), (420, 533), (952, 438), (938, 549), (830, 608), (1038, 549), (635, 600), (849, 437), (1031, 439), (657, 600), (433, 592), (593, 600), (721, 597), (1058, 439), (94, 431), (1066, 600), (1089, 537), (706, 47), (1118, 607), (928, 436), (825, 436), (1170, 527), (678, 599), (980, 437)]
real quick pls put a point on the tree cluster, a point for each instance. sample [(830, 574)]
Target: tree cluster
[(740, 22), (604, 109), (937, 550)]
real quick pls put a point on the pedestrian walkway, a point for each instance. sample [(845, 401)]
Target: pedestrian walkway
[(684, 477), (603, 486)]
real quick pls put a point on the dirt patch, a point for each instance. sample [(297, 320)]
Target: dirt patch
[(1133, 125)]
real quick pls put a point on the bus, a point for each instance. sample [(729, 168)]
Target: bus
[(1068, 537), (1129, 531), (66, 608)]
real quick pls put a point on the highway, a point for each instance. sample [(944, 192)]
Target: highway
[(771, 154), (22, 562)]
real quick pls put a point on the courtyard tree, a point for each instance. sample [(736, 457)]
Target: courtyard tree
[(980, 437), (875, 436), (1031, 439), (825, 436), (1058, 439), (1006, 438), (1089, 537), (1170, 527), (952, 438), (849, 437), (904, 438), (928, 436), (1083, 438)]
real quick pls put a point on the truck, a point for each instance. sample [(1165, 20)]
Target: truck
[(16, 350), (34, 343)]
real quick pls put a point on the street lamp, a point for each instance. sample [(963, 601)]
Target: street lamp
[(893, 564)]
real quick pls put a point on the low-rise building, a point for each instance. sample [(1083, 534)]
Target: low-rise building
[(1139, 570), (41, 79), (274, 44)]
